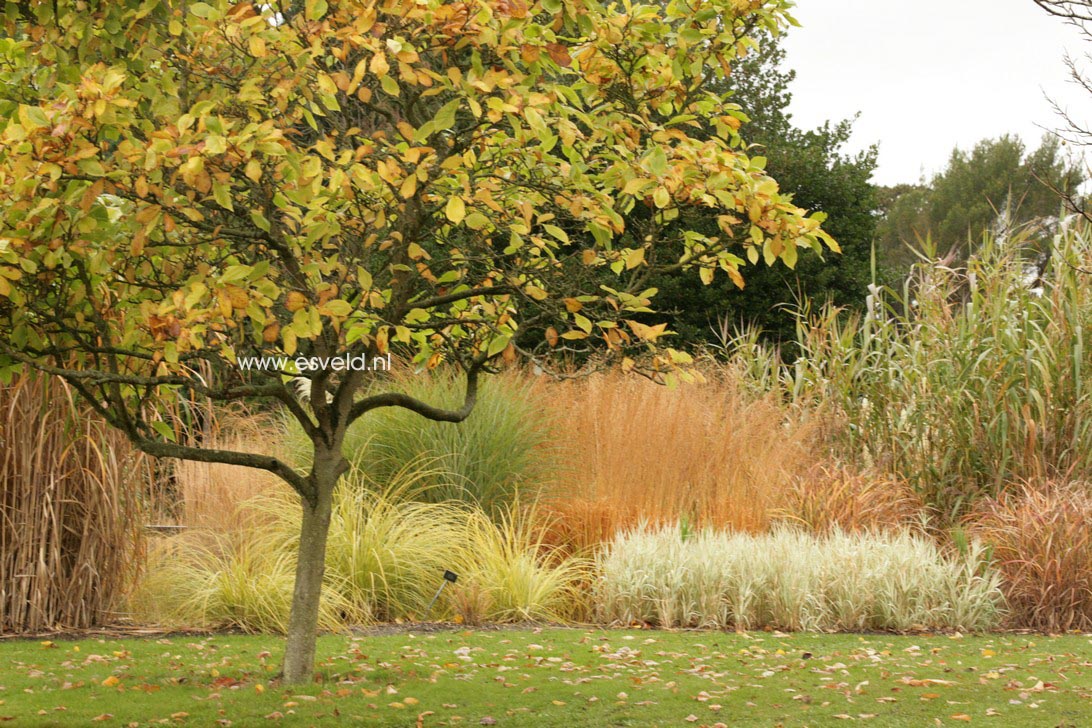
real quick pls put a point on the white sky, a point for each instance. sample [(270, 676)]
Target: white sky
[(928, 75)]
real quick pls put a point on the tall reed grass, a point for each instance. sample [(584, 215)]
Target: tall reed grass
[(70, 516), (965, 381), (789, 579)]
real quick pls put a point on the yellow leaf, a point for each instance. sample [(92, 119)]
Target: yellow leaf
[(110, 681), (535, 292), (378, 65), (257, 46), (326, 84), (409, 187), (455, 209)]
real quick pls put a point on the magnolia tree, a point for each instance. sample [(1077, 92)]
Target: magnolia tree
[(185, 184)]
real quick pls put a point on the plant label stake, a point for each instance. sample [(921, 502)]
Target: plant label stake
[(448, 576)]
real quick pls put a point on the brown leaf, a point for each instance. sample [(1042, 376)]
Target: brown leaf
[(559, 54)]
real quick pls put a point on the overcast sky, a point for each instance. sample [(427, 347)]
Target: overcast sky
[(928, 75)]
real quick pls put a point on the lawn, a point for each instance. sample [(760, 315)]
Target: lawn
[(556, 677)]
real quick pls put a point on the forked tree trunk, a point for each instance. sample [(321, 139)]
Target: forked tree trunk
[(299, 654)]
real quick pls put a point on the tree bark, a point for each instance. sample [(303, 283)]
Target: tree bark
[(299, 654)]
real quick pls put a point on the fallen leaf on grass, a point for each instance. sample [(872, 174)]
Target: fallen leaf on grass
[(103, 717), (962, 716), (928, 682)]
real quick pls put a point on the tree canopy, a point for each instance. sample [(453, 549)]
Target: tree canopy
[(965, 199), (811, 165), (184, 184)]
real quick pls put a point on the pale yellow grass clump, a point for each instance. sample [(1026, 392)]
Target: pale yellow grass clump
[(386, 555)]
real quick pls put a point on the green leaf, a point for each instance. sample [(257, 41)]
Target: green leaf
[(656, 161), (204, 10), (235, 273), (445, 117), (389, 85), (337, 308), (556, 232), (165, 430), (477, 221), (222, 193), (497, 345), (259, 220)]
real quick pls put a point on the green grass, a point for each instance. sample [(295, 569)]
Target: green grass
[(557, 677)]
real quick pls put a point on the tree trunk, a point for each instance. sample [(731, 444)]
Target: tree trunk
[(299, 654)]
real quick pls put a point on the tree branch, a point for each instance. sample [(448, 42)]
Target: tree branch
[(437, 414)]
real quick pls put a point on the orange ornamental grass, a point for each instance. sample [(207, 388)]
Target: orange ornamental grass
[(703, 454)]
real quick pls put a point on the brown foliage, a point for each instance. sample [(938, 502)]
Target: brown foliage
[(1041, 535), (829, 497)]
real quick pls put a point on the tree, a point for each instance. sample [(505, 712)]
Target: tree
[(1076, 131), (185, 184), (1075, 10), (810, 165), (967, 197)]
